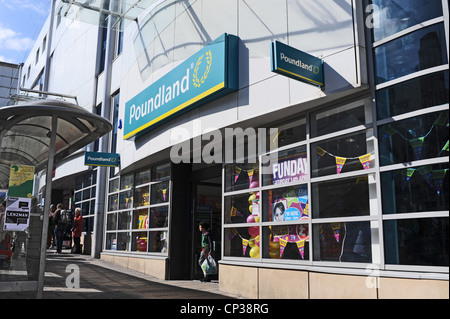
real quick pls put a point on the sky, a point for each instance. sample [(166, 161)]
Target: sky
[(20, 24)]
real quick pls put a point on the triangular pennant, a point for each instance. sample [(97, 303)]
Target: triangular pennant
[(425, 171), (336, 227), (416, 145), (442, 118), (437, 177), (237, 172), (389, 130), (283, 244), (301, 248), (164, 191), (446, 146), (365, 161), (244, 246), (250, 175), (233, 234), (320, 152), (340, 161)]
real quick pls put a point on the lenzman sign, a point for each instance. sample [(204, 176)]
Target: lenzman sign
[(210, 73), (296, 64)]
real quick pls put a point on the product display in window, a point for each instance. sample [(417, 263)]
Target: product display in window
[(286, 242), (286, 204)]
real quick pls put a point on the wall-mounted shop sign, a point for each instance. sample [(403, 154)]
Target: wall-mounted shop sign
[(101, 159), (296, 64), (207, 75), (21, 180)]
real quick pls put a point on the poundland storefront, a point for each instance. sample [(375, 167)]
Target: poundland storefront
[(312, 136), (322, 166)]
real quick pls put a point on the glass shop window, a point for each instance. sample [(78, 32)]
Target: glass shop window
[(416, 189), (285, 166), (342, 154), (286, 204), (418, 138), (286, 242), (418, 241), (340, 118), (413, 52), (342, 198), (412, 95), (397, 15), (343, 242), (241, 176), (285, 134)]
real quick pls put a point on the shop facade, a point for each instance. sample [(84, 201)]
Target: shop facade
[(333, 189)]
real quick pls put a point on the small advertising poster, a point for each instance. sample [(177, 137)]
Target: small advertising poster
[(17, 214), (21, 180)]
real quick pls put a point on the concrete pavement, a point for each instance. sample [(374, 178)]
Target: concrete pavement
[(99, 279)]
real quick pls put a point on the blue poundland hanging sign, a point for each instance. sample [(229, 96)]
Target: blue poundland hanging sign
[(296, 64), (101, 159), (207, 75)]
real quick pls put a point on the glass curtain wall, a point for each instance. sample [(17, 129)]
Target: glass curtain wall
[(412, 95)]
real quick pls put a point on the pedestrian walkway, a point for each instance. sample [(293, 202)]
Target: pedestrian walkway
[(99, 279)]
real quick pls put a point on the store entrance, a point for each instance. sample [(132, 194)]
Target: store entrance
[(206, 206)]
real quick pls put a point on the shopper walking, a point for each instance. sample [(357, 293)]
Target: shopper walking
[(76, 230), (205, 255), (60, 220)]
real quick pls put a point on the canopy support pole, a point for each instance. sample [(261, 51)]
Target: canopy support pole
[(47, 200)]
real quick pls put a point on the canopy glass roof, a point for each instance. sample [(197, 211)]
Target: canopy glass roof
[(25, 132)]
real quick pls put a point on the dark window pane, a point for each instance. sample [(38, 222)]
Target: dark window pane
[(397, 15), (341, 198), (413, 52), (414, 139), (343, 242), (412, 95), (341, 155), (419, 189), (421, 241)]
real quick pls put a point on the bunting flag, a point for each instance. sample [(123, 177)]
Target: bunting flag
[(233, 234), (365, 161), (437, 177), (425, 171), (164, 191), (389, 131), (442, 118), (283, 244), (322, 236), (320, 152), (416, 145), (244, 246), (250, 175), (340, 161), (237, 172), (301, 248), (446, 146), (234, 212), (336, 227)]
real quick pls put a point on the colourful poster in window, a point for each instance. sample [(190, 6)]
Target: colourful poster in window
[(21, 179), (291, 168)]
